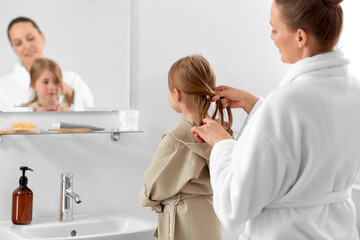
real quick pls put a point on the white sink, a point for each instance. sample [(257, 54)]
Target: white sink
[(86, 227)]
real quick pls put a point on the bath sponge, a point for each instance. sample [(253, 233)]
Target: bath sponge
[(23, 125), (20, 127)]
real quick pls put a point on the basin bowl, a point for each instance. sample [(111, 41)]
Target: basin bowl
[(86, 227)]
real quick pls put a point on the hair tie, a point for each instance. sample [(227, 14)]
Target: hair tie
[(331, 5)]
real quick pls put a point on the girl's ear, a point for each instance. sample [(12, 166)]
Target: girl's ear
[(32, 85), (178, 94)]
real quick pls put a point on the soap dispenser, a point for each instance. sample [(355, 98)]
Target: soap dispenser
[(22, 201)]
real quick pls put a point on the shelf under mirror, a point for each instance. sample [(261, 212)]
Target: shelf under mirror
[(114, 133)]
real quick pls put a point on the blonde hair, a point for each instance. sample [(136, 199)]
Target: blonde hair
[(38, 67), (194, 76)]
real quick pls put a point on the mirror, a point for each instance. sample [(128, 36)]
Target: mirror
[(88, 37)]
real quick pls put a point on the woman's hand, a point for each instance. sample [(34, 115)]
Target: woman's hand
[(64, 109), (235, 98), (68, 92), (43, 109), (211, 132)]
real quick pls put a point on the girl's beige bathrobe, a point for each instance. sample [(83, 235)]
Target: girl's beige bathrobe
[(177, 186)]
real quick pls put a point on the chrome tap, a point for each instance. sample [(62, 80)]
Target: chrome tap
[(67, 195)]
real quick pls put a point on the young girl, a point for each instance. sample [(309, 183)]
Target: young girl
[(46, 81), (177, 184)]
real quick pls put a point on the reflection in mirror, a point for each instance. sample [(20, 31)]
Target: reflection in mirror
[(89, 38), (58, 109)]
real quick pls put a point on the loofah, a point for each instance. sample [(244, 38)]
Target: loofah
[(20, 127), (24, 125)]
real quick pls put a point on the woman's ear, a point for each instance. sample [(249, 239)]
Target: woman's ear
[(42, 37), (301, 37)]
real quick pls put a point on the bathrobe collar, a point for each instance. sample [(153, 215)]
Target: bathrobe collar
[(21, 70), (182, 133), (327, 64)]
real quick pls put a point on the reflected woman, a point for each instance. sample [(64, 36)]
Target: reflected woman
[(27, 42)]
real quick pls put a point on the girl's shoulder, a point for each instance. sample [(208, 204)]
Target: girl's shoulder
[(180, 137), (32, 105), (177, 133), (182, 130)]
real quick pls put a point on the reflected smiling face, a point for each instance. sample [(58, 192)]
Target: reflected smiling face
[(47, 88), (27, 42)]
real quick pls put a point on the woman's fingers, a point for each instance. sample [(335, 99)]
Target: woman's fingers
[(196, 131), (221, 88), (198, 138), (208, 120), (220, 93), (211, 132), (225, 102), (215, 98)]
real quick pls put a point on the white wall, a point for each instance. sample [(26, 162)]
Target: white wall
[(235, 38), (350, 38), (106, 173)]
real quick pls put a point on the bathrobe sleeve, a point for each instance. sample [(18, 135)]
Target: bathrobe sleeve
[(83, 96), (250, 173), (253, 111), (4, 93), (168, 173)]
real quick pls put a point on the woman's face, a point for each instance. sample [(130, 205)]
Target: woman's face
[(27, 42), (47, 87), (284, 39)]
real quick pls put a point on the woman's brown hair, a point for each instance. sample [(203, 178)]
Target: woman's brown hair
[(322, 18), (39, 66), (21, 20), (194, 76)]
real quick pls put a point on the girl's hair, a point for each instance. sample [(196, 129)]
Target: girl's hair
[(20, 20), (39, 66), (322, 18), (194, 76)]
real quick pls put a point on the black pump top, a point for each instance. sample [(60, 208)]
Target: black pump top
[(23, 179)]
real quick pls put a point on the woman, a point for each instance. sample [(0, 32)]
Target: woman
[(27, 42), (291, 170)]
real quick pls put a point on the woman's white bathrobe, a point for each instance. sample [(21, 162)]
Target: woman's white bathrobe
[(291, 170), (15, 89)]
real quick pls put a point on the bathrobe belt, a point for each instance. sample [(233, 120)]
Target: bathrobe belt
[(329, 198), (332, 197), (171, 210)]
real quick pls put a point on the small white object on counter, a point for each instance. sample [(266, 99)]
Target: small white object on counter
[(129, 120)]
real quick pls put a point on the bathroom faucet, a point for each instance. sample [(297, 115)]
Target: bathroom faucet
[(67, 195)]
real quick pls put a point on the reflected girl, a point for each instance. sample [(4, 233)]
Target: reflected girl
[(46, 81)]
